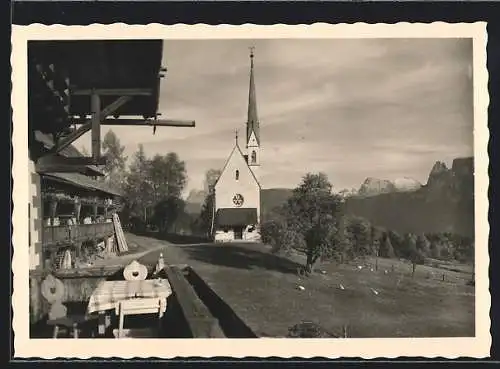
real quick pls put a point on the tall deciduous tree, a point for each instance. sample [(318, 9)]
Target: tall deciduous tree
[(204, 221), (167, 211), (115, 166), (312, 211), (167, 175)]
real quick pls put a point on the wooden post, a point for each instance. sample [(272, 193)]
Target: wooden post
[(53, 209), (95, 102), (95, 209), (413, 269), (78, 208)]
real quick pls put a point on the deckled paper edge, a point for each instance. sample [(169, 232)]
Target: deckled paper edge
[(24, 347)]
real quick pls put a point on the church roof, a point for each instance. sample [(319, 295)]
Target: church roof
[(236, 216), (237, 147), (253, 118)]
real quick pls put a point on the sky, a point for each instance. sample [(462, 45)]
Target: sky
[(352, 108)]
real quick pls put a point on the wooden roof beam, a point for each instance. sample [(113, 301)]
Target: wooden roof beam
[(87, 126), (113, 92), (149, 122)]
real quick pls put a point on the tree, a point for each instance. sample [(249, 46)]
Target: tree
[(211, 176), (312, 212), (138, 188), (398, 243), (344, 249), (359, 234), (423, 245), (204, 221), (464, 249), (412, 253), (167, 175), (116, 160), (376, 239), (386, 249), (166, 212), (280, 236)]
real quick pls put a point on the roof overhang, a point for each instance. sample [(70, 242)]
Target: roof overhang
[(115, 67), (81, 181), (235, 217), (74, 86)]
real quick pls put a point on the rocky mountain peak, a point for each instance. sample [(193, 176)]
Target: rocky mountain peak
[(438, 172), (406, 184), (374, 186)]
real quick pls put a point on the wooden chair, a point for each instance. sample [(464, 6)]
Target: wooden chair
[(137, 306), (71, 324), (53, 290)]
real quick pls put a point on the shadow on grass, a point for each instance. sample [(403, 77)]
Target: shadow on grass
[(176, 239), (240, 256)]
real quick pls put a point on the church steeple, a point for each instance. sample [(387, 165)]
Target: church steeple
[(252, 119), (253, 131)]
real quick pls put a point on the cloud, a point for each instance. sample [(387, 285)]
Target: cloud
[(352, 108)]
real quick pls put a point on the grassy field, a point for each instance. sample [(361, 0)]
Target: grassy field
[(264, 291)]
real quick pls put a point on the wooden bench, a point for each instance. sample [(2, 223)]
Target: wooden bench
[(202, 324)]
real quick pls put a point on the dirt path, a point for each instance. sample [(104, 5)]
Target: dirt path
[(146, 246)]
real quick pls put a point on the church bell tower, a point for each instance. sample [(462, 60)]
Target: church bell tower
[(253, 132)]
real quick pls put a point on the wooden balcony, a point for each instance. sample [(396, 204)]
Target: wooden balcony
[(65, 235)]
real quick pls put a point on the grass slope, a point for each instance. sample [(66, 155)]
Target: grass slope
[(263, 290)]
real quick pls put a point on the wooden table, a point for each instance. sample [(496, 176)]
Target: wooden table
[(109, 293)]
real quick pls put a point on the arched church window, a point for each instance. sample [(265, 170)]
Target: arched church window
[(254, 157), (237, 174)]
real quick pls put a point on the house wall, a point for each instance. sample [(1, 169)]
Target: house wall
[(252, 236), (221, 236), (35, 221), (228, 186)]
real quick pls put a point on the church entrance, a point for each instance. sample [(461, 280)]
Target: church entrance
[(238, 233)]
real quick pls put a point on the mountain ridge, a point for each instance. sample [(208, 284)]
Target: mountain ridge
[(444, 204)]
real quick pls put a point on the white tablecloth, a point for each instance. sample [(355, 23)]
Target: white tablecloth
[(108, 293)]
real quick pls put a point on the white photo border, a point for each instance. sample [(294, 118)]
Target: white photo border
[(368, 348)]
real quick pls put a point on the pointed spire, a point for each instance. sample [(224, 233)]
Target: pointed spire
[(252, 120), (236, 136)]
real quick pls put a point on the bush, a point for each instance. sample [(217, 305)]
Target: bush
[(280, 236)]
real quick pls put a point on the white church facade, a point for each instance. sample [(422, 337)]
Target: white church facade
[(236, 215)]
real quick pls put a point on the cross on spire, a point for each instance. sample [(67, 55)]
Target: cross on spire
[(236, 135)]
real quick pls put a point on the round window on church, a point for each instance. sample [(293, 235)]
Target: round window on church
[(238, 199)]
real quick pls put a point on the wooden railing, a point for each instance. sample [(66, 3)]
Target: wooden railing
[(70, 234), (201, 323)]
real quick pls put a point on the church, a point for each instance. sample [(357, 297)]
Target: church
[(236, 212)]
